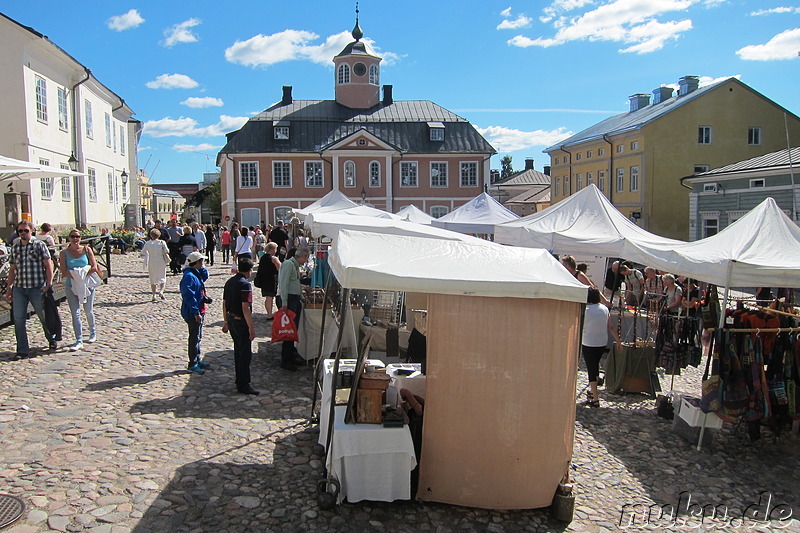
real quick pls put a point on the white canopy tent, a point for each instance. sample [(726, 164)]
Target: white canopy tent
[(17, 170), (479, 215), (584, 223), (412, 213), (333, 201), (329, 225)]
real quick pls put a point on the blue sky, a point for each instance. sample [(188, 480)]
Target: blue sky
[(526, 73)]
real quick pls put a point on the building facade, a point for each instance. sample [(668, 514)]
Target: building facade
[(637, 158), (55, 112), (721, 196), (381, 152)]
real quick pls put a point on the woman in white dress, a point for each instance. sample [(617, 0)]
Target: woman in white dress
[(156, 258)]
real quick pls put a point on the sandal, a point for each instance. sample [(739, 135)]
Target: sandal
[(591, 401)]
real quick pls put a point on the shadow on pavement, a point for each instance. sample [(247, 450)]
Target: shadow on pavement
[(131, 381)]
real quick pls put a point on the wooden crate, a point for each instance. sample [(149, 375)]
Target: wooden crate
[(368, 406)]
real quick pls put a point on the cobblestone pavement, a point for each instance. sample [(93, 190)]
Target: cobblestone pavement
[(119, 437)]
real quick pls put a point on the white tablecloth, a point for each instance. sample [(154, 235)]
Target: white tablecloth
[(414, 382), (370, 461), (310, 326)]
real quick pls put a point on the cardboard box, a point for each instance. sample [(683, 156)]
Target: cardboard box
[(695, 417)]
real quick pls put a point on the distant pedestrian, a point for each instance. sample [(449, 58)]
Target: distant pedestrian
[(211, 243), (267, 276), (225, 244), (237, 315), (29, 278), (193, 307), (279, 236), (156, 259), (187, 244), (244, 245), (77, 264), (200, 236), (175, 232)]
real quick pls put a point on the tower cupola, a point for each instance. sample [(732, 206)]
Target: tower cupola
[(357, 73)]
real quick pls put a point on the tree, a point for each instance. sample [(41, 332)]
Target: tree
[(505, 167), (213, 200)]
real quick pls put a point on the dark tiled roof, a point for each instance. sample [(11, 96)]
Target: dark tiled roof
[(316, 124), (171, 194), (766, 161), (531, 196), (524, 177)]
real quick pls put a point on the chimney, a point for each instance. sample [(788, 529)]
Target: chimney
[(494, 175), (639, 101), (688, 84), (662, 94), (546, 170), (529, 163), (287, 95), (387, 95)]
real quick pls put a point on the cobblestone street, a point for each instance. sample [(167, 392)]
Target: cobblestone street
[(120, 437)]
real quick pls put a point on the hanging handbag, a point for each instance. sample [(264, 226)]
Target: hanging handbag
[(709, 308), (709, 401), (735, 394)]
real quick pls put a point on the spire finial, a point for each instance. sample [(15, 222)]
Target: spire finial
[(357, 33)]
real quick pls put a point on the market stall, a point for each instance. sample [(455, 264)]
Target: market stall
[(480, 215), (412, 213), (503, 328), (333, 201)]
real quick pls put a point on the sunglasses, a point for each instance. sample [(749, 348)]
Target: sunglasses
[(23, 231), (74, 236)]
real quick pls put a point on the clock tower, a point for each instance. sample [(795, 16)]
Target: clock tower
[(357, 73)]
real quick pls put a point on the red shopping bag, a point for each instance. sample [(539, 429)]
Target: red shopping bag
[(283, 328)]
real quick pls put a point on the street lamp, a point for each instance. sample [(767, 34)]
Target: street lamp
[(73, 162)]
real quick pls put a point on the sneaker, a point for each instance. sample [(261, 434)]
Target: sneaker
[(197, 369), (203, 364), (92, 337), (75, 347)]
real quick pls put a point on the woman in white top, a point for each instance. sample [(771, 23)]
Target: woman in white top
[(596, 325), (244, 246), (156, 258)]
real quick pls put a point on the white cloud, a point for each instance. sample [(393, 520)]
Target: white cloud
[(776, 10), (511, 140), (180, 33), (126, 21), (293, 45), (143, 148), (205, 101), (172, 81), (506, 12), (632, 22), (202, 147), (785, 45), (186, 126), (520, 22)]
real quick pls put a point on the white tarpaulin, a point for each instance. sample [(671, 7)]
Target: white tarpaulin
[(17, 170), (333, 201), (479, 215), (475, 268), (329, 224), (413, 214), (584, 223), (761, 249)]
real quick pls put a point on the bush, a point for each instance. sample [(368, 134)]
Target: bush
[(127, 236)]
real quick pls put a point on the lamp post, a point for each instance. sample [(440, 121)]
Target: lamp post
[(73, 162), (363, 196), (124, 177)]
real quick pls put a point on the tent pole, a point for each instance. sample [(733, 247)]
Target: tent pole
[(321, 339), (335, 377)]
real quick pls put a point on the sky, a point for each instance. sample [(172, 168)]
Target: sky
[(525, 73)]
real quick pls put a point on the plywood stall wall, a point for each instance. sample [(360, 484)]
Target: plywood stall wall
[(500, 400)]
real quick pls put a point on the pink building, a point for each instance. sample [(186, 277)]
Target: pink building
[(385, 153)]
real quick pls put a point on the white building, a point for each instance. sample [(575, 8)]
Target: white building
[(54, 108)]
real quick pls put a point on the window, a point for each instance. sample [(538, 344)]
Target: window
[(41, 99), (374, 174), (248, 175), (349, 174), (634, 179), (62, 109), (281, 133), (555, 161), (557, 187), (620, 148), (314, 174), (283, 213), (601, 180), (438, 174), (757, 183), (113, 137), (601, 152), (578, 156), (589, 154), (701, 168), (589, 178), (362, 142), (620, 179), (566, 160), (122, 140), (709, 187), (704, 135), (87, 110), (578, 182), (344, 73), (110, 187), (438, 211), (281, 174), (373, 75), (565, 191), (754, 136), (710, 225), (635, 145), (437, 134), (469, 174), (66, 189), (124, 188), (92, 184), (408, 174), (46, 184), (108, 130)]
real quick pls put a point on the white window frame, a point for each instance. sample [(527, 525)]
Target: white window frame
[(634, 180), (66, 185), (247, 218), (45, 184), (374, 75), (242, 176), (92, 184), (557, 188), (87, 111), (634, 145), (707, 217), (41, 99), (280, 133), (704, 135), (281, 209), (111, 187), (701, 168), (438, 177), (588, 154), (566, 159), (754, 136), (601, 152), (578, 181), (565, 188), (63, 114), (108, 129), (555, 161), (372, 174), (620, 182), (709, 187), (437, 134), (122, 139), (601, 180), (123, 187), (589, 178), (578, 156), (343, 74), (620, 148), (410, 171), (314, 174), (758, 183), (349, 174), (438, 211), (471, 168), (288, 165)]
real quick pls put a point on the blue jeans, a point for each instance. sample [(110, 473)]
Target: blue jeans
[(23, 296), (195, 336), (242, 350), (75, 311)]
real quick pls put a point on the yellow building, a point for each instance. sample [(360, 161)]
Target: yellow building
[(637, 158)]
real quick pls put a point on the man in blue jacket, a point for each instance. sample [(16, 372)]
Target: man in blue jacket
[(193, 307)]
